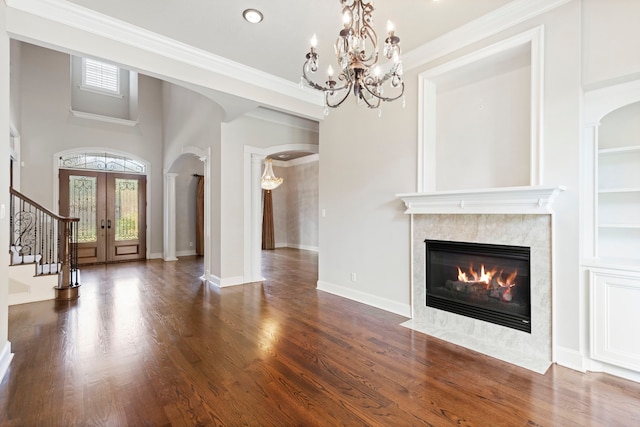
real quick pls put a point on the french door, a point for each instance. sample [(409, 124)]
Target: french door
[(112, 212)]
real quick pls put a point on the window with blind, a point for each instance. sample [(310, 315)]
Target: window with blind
[(100, 76)]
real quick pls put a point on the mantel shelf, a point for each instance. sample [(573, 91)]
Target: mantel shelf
[(506, 200)]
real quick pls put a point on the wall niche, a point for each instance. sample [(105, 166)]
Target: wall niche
[(480, 121)]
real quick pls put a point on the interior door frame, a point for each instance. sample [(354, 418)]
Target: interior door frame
[(113, 152)]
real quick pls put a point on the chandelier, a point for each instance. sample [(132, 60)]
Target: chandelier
[(357, 55), (269, 181)]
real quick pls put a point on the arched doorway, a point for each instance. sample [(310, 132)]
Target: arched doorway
[(108, 190), (253, 161)]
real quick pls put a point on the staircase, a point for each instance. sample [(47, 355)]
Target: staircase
[(43, 253)]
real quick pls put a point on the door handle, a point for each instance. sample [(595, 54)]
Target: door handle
[(102, 224), (108, 223)]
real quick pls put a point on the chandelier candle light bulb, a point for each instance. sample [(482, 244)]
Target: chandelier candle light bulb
[(357, 56)]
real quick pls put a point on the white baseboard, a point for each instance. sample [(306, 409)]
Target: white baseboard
[(226, 282), (304, 247), (596, 366), (573, 359), (191, 252), (5, 359), (154, 256), (569, 358), (365, 298), (297, 246)]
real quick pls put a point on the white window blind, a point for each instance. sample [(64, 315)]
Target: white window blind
[(101, 76)]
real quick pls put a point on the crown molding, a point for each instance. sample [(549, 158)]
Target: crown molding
[(81, 18), (490, 24)]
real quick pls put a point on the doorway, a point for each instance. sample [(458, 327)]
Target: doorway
[(112, 211)]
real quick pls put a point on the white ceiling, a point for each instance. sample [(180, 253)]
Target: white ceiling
[(279, 43)]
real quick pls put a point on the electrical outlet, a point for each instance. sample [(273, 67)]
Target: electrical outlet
[(190, 244), (354, 278)]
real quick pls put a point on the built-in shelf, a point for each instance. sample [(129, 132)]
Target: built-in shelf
[(619, 190), (102, 118), (506, 200), (624, 264), (630, 226), (629, 149)]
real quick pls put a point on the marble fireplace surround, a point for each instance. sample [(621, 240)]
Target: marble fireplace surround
[(519, 216)]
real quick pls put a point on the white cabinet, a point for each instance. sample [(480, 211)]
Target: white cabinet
[(615, 318), (610, 224)]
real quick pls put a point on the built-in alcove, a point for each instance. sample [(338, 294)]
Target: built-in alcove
[(466, 141), (120, 107)]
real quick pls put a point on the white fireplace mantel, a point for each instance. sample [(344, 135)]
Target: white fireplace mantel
[(505, 200)]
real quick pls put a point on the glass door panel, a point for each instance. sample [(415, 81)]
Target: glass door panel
[(126, 206), (126, 209), (82, 204), (82, 195)]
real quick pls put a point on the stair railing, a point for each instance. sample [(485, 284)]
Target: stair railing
[(48, 240)]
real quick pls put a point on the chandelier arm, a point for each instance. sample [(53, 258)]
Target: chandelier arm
[(369, 104), (316, 86), (384, 98), (346, 95)]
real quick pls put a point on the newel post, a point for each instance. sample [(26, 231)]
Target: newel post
[(67, 275)]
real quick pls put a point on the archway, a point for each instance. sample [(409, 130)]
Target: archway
[(253, 159)]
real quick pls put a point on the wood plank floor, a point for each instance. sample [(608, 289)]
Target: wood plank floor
[(147, 344)]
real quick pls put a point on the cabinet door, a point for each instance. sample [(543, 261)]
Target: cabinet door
[(615, 318)]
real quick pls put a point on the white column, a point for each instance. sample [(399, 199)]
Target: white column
[(169, 252), (207, 217), (256, 218)]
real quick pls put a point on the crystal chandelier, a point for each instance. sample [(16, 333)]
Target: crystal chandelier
[(269, 180), (357, 54)]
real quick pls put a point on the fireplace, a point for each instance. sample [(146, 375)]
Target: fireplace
[(483, 281)]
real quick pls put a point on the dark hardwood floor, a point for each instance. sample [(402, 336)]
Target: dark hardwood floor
[(147, 344)]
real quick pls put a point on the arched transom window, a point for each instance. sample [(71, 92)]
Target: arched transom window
[(106, 162)]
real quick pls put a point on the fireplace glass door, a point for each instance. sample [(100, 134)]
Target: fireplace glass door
[(483, 281)]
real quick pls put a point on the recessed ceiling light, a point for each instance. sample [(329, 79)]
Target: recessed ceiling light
[(252, 15)]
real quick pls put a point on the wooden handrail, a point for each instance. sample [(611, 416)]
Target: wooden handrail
[(42, 208)]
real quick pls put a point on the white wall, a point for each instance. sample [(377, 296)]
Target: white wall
[(485, 127), (16, 109), (610, 42), (366, 160), (5, 346), (48, 127)]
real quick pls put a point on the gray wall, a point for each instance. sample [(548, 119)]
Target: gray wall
[(49, 127), (295, 204)]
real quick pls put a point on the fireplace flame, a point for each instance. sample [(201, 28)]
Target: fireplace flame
[(491, 278)]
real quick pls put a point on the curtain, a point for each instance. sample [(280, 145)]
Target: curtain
[(268, 239), (200, 216)]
